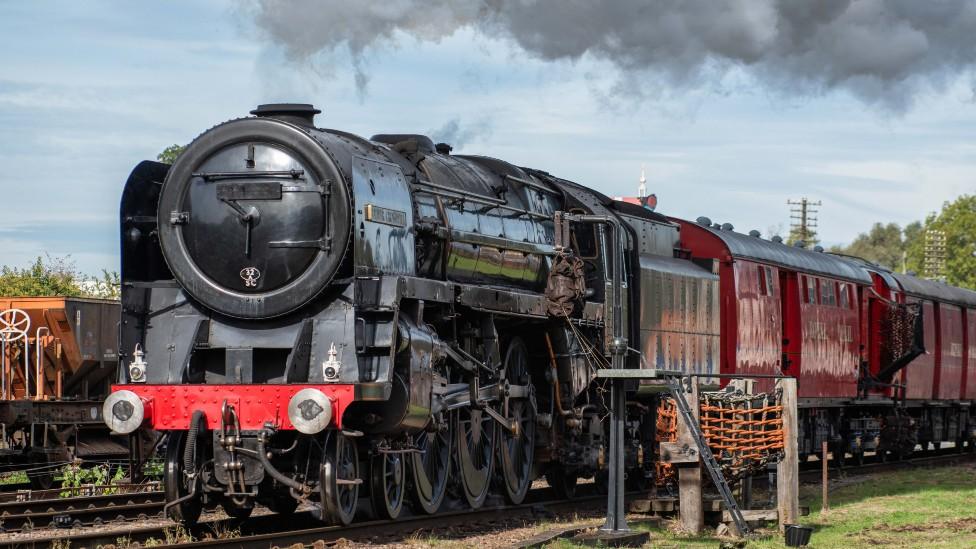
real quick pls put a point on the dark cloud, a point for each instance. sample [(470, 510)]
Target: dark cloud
[(883, 52)]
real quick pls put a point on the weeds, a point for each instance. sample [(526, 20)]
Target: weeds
[(74, 478), (177, 534)]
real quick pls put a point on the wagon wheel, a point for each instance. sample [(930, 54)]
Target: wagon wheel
[(387, 483), (237, 511), (475, 454), (562, 482), (182, 506), (517, 449), (339, 480), (283, 504), (41, 477), (432, 467)]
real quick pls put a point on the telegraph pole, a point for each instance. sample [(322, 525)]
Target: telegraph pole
[(803, 220), (935, 254)]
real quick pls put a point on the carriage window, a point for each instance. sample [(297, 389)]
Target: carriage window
[(827, 293), (845, 300), (811, 287)]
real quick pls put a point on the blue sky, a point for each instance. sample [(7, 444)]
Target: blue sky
[(87, 90)]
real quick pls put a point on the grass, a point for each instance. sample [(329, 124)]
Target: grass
[(925, 508)]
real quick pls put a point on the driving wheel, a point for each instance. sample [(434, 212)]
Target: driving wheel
[(517, 448), (183, 504), (339, 479), (387, 483), (475, 454), (432, 466)]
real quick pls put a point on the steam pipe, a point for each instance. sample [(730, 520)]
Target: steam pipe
[(262, 456), (557, 396)]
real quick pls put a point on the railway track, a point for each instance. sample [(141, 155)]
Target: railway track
[(73, 492), (265, 531), (274, 530), (811, 471), (79, 511)]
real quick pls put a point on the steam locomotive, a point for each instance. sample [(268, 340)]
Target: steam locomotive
[(313, 316)]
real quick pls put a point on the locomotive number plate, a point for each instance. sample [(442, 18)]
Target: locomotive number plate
[(249, 191), (386, 216)]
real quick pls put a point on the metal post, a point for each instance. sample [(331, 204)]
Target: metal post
[(3, 366), (38, 368), (616, 513), (27, 393)]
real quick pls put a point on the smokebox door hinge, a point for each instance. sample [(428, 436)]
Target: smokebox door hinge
[(179, 218)]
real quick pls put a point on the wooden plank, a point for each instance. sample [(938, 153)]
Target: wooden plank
[(751, 515), (639, 506), (690, 510), (787, 474), (663, 506), (824, 463), (677, 452), (550, 536)]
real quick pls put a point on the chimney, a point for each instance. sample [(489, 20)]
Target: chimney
[(301, 114)]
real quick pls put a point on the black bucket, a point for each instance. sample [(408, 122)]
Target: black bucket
[(798, 536)]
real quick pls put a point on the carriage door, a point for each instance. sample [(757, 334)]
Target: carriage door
[(790, 288)]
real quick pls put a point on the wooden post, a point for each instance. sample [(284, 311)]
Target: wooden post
[(690, 475), (823, 458), (787, 474)]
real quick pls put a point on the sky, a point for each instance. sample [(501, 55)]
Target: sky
[(87, 90)]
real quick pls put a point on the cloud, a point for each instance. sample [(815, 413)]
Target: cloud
[(885, 53)]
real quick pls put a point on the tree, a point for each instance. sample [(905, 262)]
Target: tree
[(56, 276), (170, 154), (958, 220), (883, 244), (53, 277), (904, 249), (106, 286)]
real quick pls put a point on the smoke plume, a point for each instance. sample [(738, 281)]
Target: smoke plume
[(458, 134), (883, 52)]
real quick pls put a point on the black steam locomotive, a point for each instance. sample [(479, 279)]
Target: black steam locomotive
[(315, 316)]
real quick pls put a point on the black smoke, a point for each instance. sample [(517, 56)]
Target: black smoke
[(883, 52)]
